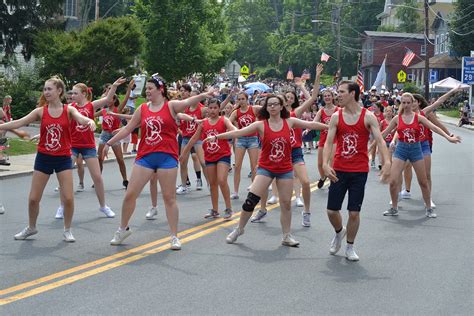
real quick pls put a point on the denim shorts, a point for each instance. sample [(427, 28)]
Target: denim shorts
[(105, 137), (297, 156), (354, 182), (225, 159), (48, 164), (157, 160), (267, 173), (85, 152), (247, 142), (426, 148), (185, 141), (408, 151)]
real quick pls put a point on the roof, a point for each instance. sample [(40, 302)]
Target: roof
[(396, 35), (442, 61)]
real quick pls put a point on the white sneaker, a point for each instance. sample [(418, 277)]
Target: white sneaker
[(68, 237), (288, 240), (258, 216), (152, 212), (299, 202), (2, 209), (232, 237), (306, 221), (25, 233), (351, 254), (120, 235), (430, 213), (248, 188), (405, 194), (199, 184), (181, 190), (234, 196), (175, 243), (80, 188), (272, 200), (336, 241), (59, 212), (432, 204), (107, 211)]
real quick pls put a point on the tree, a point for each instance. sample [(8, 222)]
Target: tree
[(409, 17), (461, 31)]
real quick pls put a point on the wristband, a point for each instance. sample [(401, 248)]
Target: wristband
[(107, 143)]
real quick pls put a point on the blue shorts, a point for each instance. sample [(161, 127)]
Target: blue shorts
[(247, 142), (297, 156), (225, 159), (267, 173), (48, 164), (157, 160), (105, 137), (426, 148), (86, 153), (408, 151), (185, 141), (354, 182)]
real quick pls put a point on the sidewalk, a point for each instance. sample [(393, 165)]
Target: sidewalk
[(453, 121)]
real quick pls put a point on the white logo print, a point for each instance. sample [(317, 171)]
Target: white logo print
[(349, 145), (213, 145), (277, 153), (83, 128), (409, 134), (292, 137), (191, 126), (53, 137), (245, 120), (422, 132), (153, 130), (108, 121)]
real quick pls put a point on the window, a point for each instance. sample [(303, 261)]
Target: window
[(70, 8), (442, 45), (436, 46), (447, 43), (423, 50)]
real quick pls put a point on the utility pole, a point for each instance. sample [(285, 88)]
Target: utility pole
[(96, 10), (427, 59)]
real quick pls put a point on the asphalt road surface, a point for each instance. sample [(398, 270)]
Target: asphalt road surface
[(408, 265)]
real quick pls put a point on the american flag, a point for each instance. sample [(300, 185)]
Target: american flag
[(325, 57), (289, 75), (360, 80), (305, 75), (408, 57)]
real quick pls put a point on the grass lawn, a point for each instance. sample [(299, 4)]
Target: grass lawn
[(20, 147), (449, 112)]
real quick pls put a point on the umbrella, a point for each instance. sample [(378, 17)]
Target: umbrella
[(250, 88), (449, 83)]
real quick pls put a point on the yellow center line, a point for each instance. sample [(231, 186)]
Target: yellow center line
[(201, 230)]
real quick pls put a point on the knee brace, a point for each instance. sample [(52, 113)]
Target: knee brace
[(250, 203)]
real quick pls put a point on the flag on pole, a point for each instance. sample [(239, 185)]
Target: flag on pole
[(325, 57), (360, 80), (305, 75), (409, 55), (381, 76), (289, 74)]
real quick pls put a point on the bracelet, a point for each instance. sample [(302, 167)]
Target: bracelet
[(107, 143)]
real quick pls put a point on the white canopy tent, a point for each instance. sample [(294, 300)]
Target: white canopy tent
[(449, 83)]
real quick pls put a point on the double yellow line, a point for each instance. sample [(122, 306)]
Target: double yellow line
[(44, 284)]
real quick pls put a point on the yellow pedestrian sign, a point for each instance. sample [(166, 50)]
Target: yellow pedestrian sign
[(244, 71), (402, 76)]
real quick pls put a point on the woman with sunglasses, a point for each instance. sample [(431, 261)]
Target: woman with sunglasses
[(157, 152), (274, 163)]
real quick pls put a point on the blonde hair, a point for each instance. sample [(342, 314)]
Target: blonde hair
[(85, 89), (59, 84), (405, 95)]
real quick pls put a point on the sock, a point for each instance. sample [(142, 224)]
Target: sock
[(198, 174), (407, 190), (187, 181), (350, 243), (338, 231)]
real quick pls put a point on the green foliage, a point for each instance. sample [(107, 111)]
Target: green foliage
[(269, 71), (327, 80), (412, 88), (462, 33), (409, 17), (387, 28), (20, 147), (100, 53)]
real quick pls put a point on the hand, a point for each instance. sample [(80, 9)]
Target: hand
[(330, 173), (212, 92), (210, 138), (454, 139), (319, 69), (385, 172), (393, 145), (131, 83), (119, 81), (91, 125), (199, 122), (305, 132), (298, 81)]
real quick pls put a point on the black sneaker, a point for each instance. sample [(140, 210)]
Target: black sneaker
[(321, 183), (125, 183), (3, 162)]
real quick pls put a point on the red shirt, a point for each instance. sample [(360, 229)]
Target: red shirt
[(408, 133), (8, 114), (189, 128), (276, 149), (55, 136), (383, 126), (296, 134), (81, 135), (245, 119), (425, 133), (215, 150), (352, 150), (159, 130), (325, 119), (109, 122)]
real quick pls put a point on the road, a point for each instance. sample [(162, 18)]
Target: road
[(409, 264)]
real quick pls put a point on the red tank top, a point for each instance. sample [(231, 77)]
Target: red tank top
[(159, 130), (425, 133), (296, 134), (109, 122), (215, 150), (325, 119), (55, 136), (189, 128), (352, 150), (245, 119), (276, 149), (383, 125), (81, 135), (408, 133)]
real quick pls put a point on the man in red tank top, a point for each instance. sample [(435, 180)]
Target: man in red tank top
[(351, 127)]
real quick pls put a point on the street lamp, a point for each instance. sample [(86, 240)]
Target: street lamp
[(338, 49)]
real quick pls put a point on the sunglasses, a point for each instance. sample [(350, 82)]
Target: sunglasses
[(273, 105)]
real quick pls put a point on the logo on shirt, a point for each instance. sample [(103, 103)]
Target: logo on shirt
[(277, 152), (191, 126), (153, 130), (422, 132), (349, 145), (53, 137), (83, 128), (245, 120), (292, 137), (409, 135), (213, 145), (108, 121)]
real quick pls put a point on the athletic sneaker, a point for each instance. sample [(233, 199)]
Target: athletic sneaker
[(232, 237), (432, 204), (405, 194), (234, 196), (288, 240), (336, 241), (228, 214), (272, 200), (372, 164), (25, 233), (2, 209), (258, 217), (249, 175), (181, 190), (212, 214), (125, 184), (321, 183), (80, 188), (299, 202), (107, 211), (175, 243), (391, 212), (68, 237), (59, 212), (351, 255), (120, 235), (430, 213), (306, 222), (188, 184), (199, 184), (152, 212)]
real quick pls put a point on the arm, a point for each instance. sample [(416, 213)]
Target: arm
[(391, 126), (441, 100), (374, 128), (110, 96), (185, 117), (185, 151), (298, 123), (252, 128), (299, 83), (434, 119), (81, 119), (33, 116), (122, 116), (314, 96), (229, 125), (328, 170), (437, 130), (180, 106), (127, 129)]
